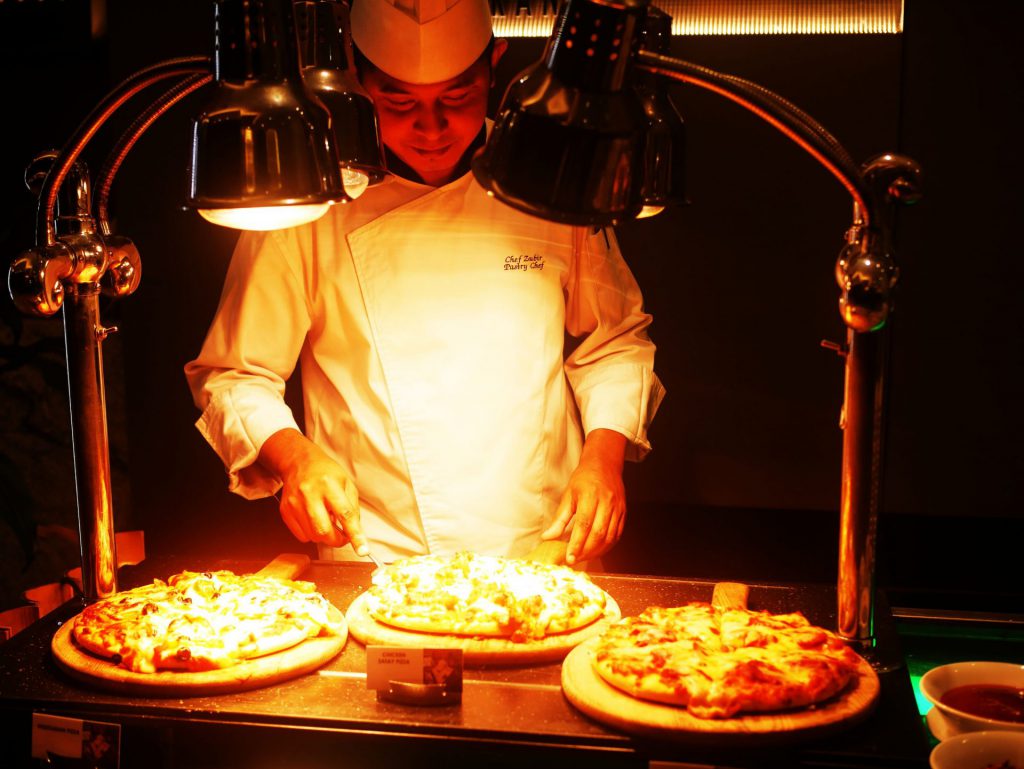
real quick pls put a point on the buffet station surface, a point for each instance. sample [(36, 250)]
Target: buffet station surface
[(509, 714)]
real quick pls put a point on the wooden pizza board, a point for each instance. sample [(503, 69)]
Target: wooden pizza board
[(251, 674), (585, 689), (477, 651)]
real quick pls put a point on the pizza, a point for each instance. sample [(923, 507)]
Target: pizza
[(198, 621), (722, 662), (478, 595)]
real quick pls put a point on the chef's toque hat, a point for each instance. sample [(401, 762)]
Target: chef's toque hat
[(421, 41)]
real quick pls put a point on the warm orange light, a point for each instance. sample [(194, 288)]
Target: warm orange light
[(536, 18), (648, 211), (264, 218)]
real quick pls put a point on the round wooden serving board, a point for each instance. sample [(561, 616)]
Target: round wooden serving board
[(478, 651), (585, 689), (251, 674)]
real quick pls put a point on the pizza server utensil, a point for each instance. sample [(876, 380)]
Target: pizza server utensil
[(369, 553), (376, 561), (338, 526)]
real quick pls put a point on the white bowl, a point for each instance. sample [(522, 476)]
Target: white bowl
[(977, 750), (941, 726), (938, 681)]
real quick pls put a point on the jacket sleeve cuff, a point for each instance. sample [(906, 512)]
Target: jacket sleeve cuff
[(624, 398), (236, 423)]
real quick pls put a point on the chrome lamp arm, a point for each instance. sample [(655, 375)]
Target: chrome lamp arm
[(111, 103), (263, 156), (571, 143), (867, 275), (772, 108)]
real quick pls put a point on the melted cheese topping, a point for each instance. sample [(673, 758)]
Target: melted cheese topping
[(720, 662), (203, 621), (470, 594)]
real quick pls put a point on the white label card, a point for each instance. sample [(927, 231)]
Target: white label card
[(414, 666), (97, 742)]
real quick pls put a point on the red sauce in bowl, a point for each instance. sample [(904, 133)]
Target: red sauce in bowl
[(1000, 703)]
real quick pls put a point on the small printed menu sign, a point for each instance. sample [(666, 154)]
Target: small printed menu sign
[(96, 743), (431, 667)]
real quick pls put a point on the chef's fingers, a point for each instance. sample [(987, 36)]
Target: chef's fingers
[(614, 530), (321, 513), (348, 519), (619, 528), (310, 497), (352, 493), (617, 511), (563, 515), (294, 511), (602, 521), (342, 538), (293, 523), (585, 512), (346, 514)]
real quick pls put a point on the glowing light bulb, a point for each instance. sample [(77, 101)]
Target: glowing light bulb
[(647, 211), (266, 217), (355, 182)]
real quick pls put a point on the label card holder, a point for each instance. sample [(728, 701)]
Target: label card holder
[(415, 676), (92, 743)]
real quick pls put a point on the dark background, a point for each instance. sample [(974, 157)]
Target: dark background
[(744, 478)]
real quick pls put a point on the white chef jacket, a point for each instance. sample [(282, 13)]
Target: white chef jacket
[(430, 326)]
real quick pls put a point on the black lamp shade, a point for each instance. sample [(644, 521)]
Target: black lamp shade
[(328, 70), (568, 142), (263, 139), (664, 154), (246, 156)]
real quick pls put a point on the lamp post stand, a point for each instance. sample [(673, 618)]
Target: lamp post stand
[(83, 337), (861, 423)]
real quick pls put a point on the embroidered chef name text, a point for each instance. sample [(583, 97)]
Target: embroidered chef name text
[(523, 262)]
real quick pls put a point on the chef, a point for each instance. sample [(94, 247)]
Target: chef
[(473, 377)]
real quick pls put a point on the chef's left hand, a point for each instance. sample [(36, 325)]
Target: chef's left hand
[(595, 498)]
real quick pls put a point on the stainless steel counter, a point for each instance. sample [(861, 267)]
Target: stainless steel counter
[(508, 716)]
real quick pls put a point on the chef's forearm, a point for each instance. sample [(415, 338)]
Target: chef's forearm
[(285, 452), (606, 447)]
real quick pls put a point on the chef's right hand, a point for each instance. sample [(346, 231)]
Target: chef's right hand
[(316, 491)]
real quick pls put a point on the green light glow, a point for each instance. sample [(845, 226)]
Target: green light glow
[(923, 705)]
